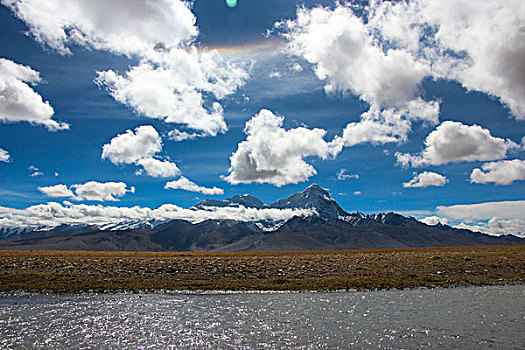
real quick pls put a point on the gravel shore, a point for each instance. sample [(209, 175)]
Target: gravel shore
[(66, 272)]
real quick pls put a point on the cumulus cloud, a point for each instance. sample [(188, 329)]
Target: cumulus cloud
[(456, 142), (491, 33), (377, 128), (90, 191), (139, 147), (426, 179), (119, 26), (345, 55), (101, 191), (131, 146), (172, 80), (382, 53), (187, 185), (56, 191), (271, 154), (389, 125), (54, 214), (171, 85), (342, 175), (4, 156), (158, 168), (18, 100), (481, 45), (502, 173)]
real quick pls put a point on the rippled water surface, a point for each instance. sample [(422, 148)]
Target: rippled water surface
[(462, 318)]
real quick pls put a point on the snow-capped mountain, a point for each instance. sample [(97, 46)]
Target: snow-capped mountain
[(314, 197), (308, 220)]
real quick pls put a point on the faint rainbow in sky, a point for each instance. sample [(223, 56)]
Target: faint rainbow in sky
[(263, 47)]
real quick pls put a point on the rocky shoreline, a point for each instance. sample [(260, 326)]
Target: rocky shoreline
[(76, 272)]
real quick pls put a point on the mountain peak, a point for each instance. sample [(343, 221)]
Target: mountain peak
[(313, 197), (314, 187), (247, 200)]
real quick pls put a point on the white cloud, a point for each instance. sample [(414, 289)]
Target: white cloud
[(344, 54), (170, 87), (187, 185), (296, 67), (274, 155), (377, 128), (426, 179), (497, 227), (382, 52), (171, 79), (342, 175), (4, 156), (53, 214), (357, 193), (434, 220), (119, 26), (159, 168), (56, 191), (483, 211), (34, 171), (177, 135), (139, 147), (492, 35), (494, 218), (348, 58), (388, 125), (502, 173), (479, 44), (18, 100), (457, 142), (100, 191), (91, 191), (132, 146)]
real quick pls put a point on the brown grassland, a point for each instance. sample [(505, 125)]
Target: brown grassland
[(74, 272)]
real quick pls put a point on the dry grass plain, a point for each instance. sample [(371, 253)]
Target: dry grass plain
[(75, 272)]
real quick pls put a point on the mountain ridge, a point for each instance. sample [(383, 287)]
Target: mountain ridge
[(327, 227)]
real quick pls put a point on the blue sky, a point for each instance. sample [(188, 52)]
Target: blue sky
[(329, 89)]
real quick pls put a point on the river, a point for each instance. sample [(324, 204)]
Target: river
[(455, 318)]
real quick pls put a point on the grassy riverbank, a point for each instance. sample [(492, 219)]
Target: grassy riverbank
[(42, 271)]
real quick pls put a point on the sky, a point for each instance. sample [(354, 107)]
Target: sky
[(416, 107)]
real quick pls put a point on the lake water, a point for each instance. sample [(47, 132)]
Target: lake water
[(461, 318)]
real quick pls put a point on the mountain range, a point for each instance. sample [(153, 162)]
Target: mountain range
[(323, 225)]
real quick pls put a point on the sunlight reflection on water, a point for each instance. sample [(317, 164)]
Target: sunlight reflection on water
[(479, 317)]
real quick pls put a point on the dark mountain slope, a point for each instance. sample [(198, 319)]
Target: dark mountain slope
[(179, 235), (330, 228)]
